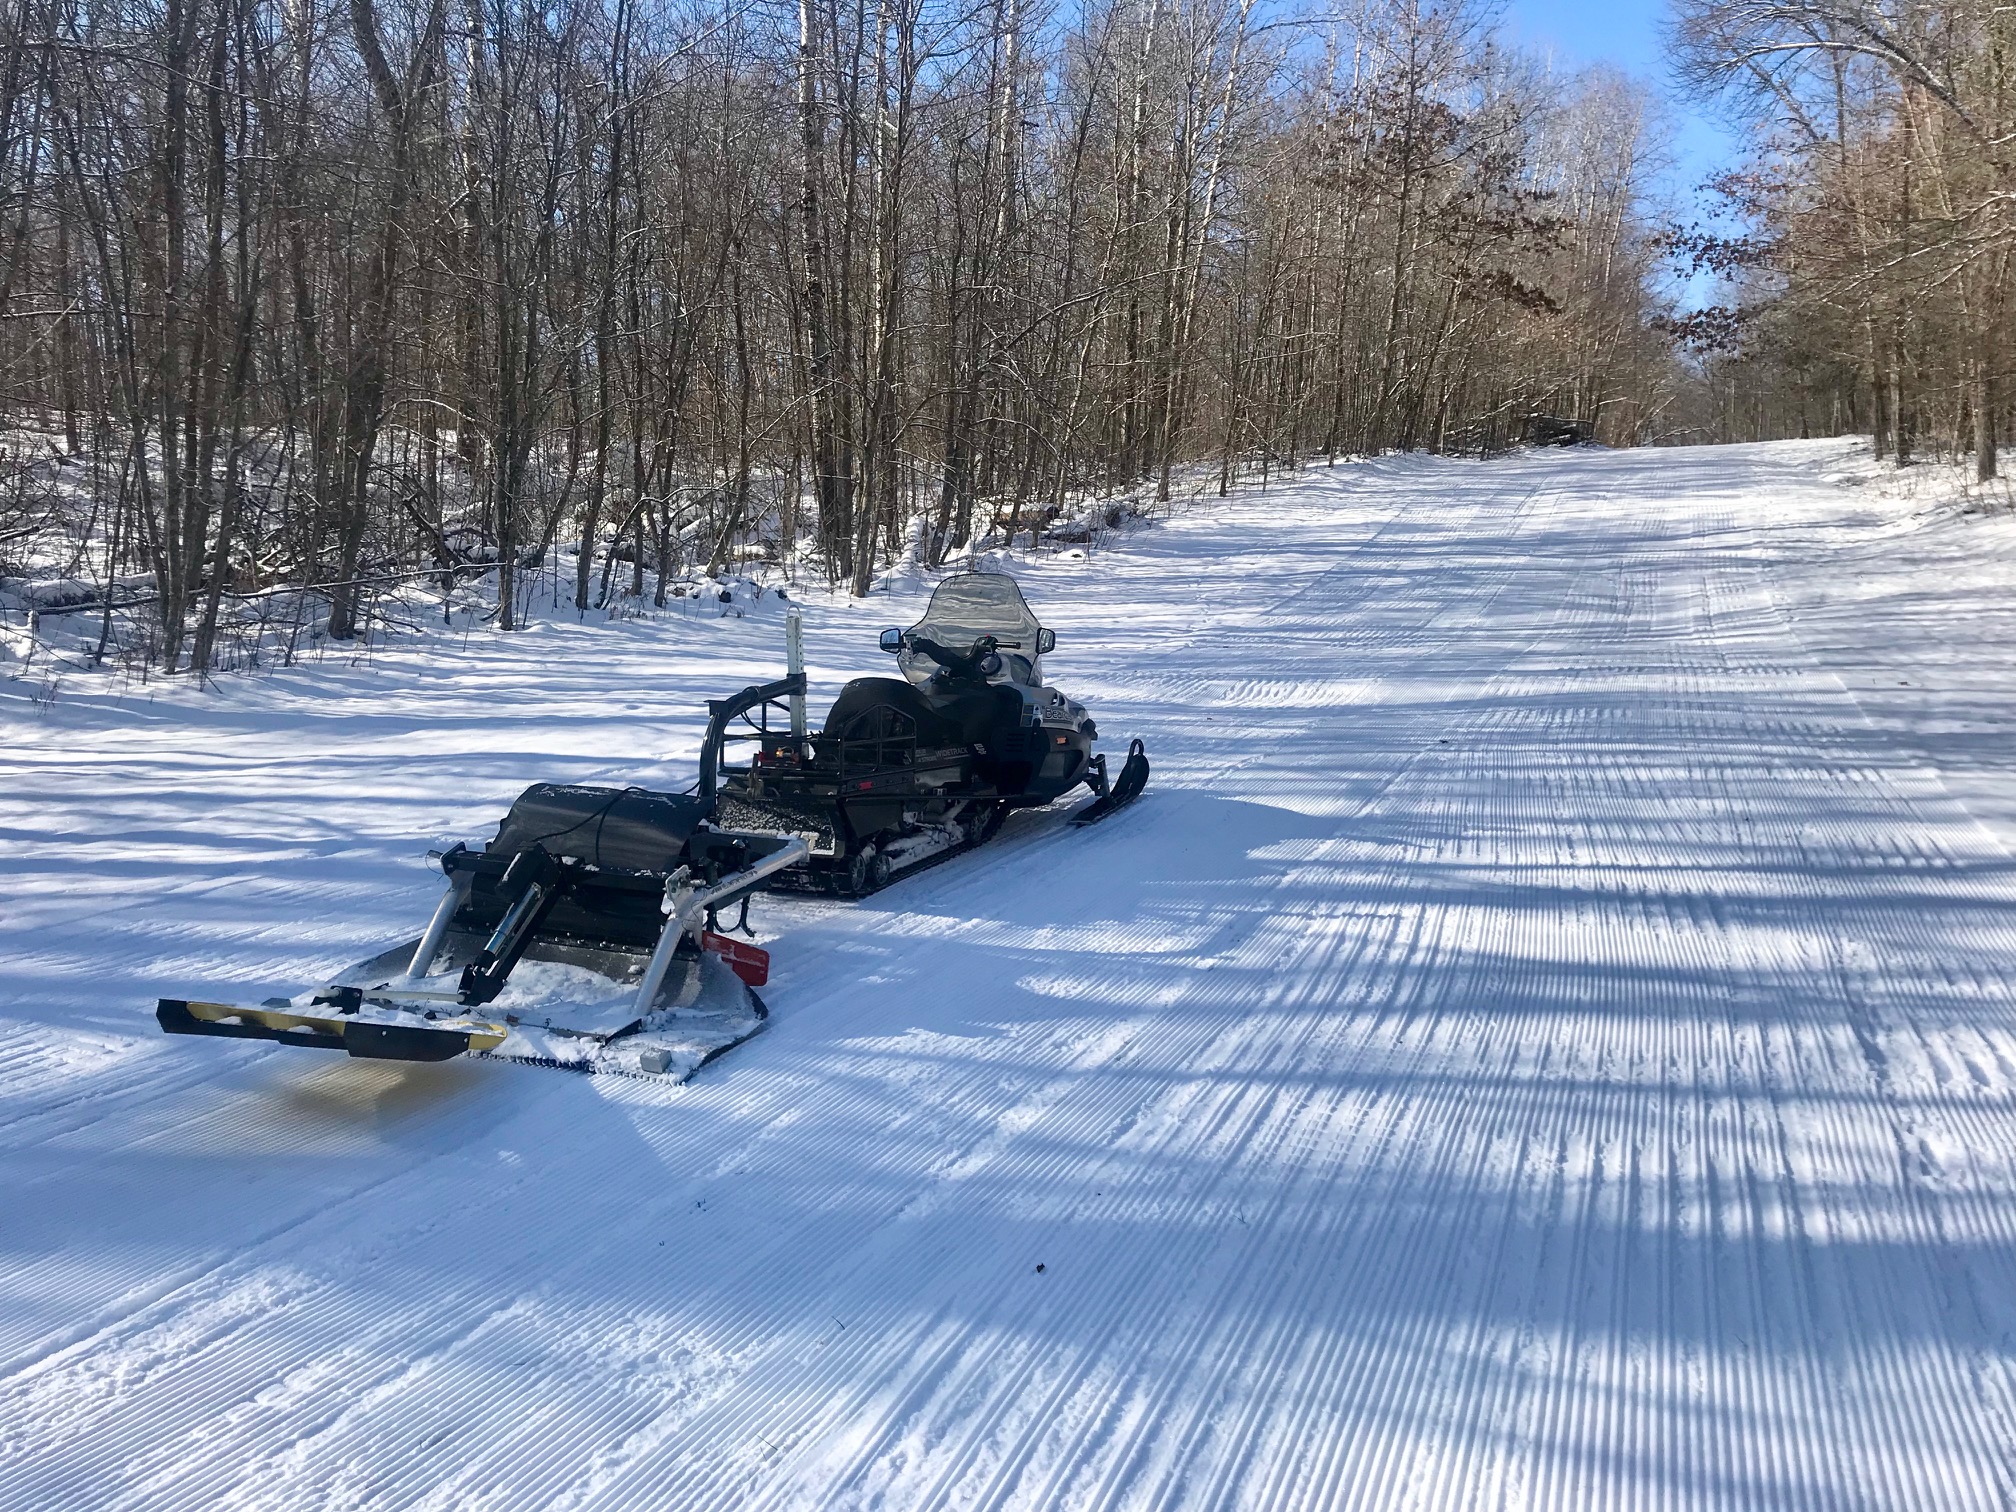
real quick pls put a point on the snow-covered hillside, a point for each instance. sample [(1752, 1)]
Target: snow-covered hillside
[(1547, 1038)]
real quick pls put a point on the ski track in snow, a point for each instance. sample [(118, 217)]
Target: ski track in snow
[(1539, 1043)]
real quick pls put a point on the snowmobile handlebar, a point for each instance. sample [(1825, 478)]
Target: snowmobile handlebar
[(720, 711), (978, 664)]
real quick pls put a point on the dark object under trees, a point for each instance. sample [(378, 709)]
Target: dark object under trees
[(1557, 430)]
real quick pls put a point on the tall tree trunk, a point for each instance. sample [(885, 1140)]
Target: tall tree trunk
[(1983, 401), (831, 487), (365, 383)]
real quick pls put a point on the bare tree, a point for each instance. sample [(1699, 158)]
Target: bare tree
[(412, 291)]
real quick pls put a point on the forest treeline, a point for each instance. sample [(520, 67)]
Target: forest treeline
[(1871, 286), (317, 295)]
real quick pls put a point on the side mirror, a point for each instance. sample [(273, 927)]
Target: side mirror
[(1046, 642), (892, 641)]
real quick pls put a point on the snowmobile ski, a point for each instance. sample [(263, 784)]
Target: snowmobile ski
[(1123, 790)]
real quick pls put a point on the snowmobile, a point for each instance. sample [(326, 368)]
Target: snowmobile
[(909, 771), (584, 935)]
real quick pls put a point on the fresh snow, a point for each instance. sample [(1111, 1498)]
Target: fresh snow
[(1544, 1040)]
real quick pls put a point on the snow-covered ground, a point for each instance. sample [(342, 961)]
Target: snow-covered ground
[(1545, 1040)]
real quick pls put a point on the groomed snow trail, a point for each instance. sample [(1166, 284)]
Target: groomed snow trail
[(1535, 1046)]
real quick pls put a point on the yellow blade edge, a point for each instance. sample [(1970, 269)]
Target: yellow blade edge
[(483, 1035)]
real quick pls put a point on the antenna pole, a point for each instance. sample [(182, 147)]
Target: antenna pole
[(794, 661)]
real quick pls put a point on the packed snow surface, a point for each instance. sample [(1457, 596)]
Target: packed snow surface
[(1544, 1040)]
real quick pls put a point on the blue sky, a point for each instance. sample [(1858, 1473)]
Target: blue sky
[(1627, 33)]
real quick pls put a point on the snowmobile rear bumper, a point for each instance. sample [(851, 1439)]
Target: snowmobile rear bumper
[(359, 1037)]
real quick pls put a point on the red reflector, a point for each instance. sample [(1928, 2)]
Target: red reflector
[(864, 786), (749, 962)]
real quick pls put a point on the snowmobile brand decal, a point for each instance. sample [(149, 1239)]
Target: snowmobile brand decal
[(888, 782)]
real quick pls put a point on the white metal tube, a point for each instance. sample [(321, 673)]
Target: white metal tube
[(794, 661), (694, 909), (686, 910), (661, 962), (437, 927)]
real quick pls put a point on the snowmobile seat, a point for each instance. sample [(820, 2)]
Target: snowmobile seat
[(865, 694), (943, 715), (629, 828)]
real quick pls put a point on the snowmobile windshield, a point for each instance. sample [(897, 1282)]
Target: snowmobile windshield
[(967, 607)]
